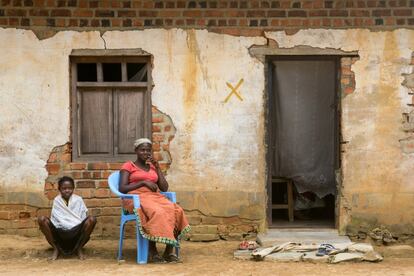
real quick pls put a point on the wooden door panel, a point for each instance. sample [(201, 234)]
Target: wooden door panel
[(130, 121), (95, 122)]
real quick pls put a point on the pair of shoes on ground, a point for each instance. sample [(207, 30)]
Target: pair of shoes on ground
[(248, 245), (158, 259)]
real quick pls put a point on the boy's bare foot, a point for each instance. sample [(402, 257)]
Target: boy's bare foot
[(80, 254), (55, 255)]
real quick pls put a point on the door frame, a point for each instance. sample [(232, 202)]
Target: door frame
[(337, 134)]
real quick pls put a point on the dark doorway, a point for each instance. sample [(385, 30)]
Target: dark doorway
[(303, 139)]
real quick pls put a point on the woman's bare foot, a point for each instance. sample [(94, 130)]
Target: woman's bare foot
[(80, 254), (55, 254)]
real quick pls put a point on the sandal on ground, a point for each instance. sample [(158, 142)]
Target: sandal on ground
[(172, 258), (156, 259), (325, 249)]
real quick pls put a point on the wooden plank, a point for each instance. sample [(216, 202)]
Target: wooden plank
[(112, 84), (110, 53), (99, 71), (290, 199), (130, 110), (74, 112), (280, 206), (96, 122)]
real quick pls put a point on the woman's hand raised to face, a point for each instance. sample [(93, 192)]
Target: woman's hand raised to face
[(153, 161)]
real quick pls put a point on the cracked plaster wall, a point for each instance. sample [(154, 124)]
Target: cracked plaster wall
[(218, 152)]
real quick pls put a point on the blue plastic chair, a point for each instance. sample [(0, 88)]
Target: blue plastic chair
[(142, 243)]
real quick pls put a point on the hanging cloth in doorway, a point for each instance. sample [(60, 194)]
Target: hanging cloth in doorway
[(302, 124)]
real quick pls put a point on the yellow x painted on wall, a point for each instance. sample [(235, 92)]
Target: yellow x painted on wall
[(234, 90)]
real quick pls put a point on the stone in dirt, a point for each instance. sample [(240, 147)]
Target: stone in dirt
[(372, 256), (345, 257), (312, 258), (284, 257), (360, 247), (242, 254)]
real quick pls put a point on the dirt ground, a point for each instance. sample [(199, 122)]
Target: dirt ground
[(28, 256)]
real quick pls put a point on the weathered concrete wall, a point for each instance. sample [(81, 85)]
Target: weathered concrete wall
[(218, 151)]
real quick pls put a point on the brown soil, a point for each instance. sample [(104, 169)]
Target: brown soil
[(28, 256)]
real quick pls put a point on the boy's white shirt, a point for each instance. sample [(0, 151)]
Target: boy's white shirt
[(68, 216)]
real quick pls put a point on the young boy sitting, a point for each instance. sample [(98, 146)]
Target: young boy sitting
[(69, 227)]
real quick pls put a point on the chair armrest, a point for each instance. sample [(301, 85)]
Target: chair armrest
[(135, 199), (171, 196)]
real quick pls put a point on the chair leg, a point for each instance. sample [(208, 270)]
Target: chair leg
[(177, 251), (142, 248), (290, 200), (121, 239)]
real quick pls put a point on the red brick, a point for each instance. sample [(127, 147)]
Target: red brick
[(338, 13), (96, 175), (115, 4), (43, 212), (256, 13), (148, 13), (235, 13), (137, 23), (50, 186), (158, 119), (318, 13), (297, 13), (214, 13), (106, 174), (84, 193), (53, 168), (115, 166), (85, 184), (38, 12), (102, 193), (360, 13), (192, 13), (158, 137), (156, 146), (52, 158), (78, 166), (127, 13), (16, 12), (156, 128), (24, 223), (51, 194), (24, 215), (381, 12), (349, 90), (82, 13), (61, 22), (76, 174), (116, 22), (98, 166), (405, 12), (276, 13), (66, 157), (60, 12), (104, 13), (169, 13), (102, 184), (4, 215)]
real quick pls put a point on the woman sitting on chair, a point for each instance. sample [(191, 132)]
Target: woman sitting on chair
[(160, 220)]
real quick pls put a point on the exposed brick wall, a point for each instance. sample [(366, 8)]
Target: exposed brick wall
[(239, 17), (347, 75)]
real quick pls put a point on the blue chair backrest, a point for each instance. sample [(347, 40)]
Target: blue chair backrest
[(113, 182)]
